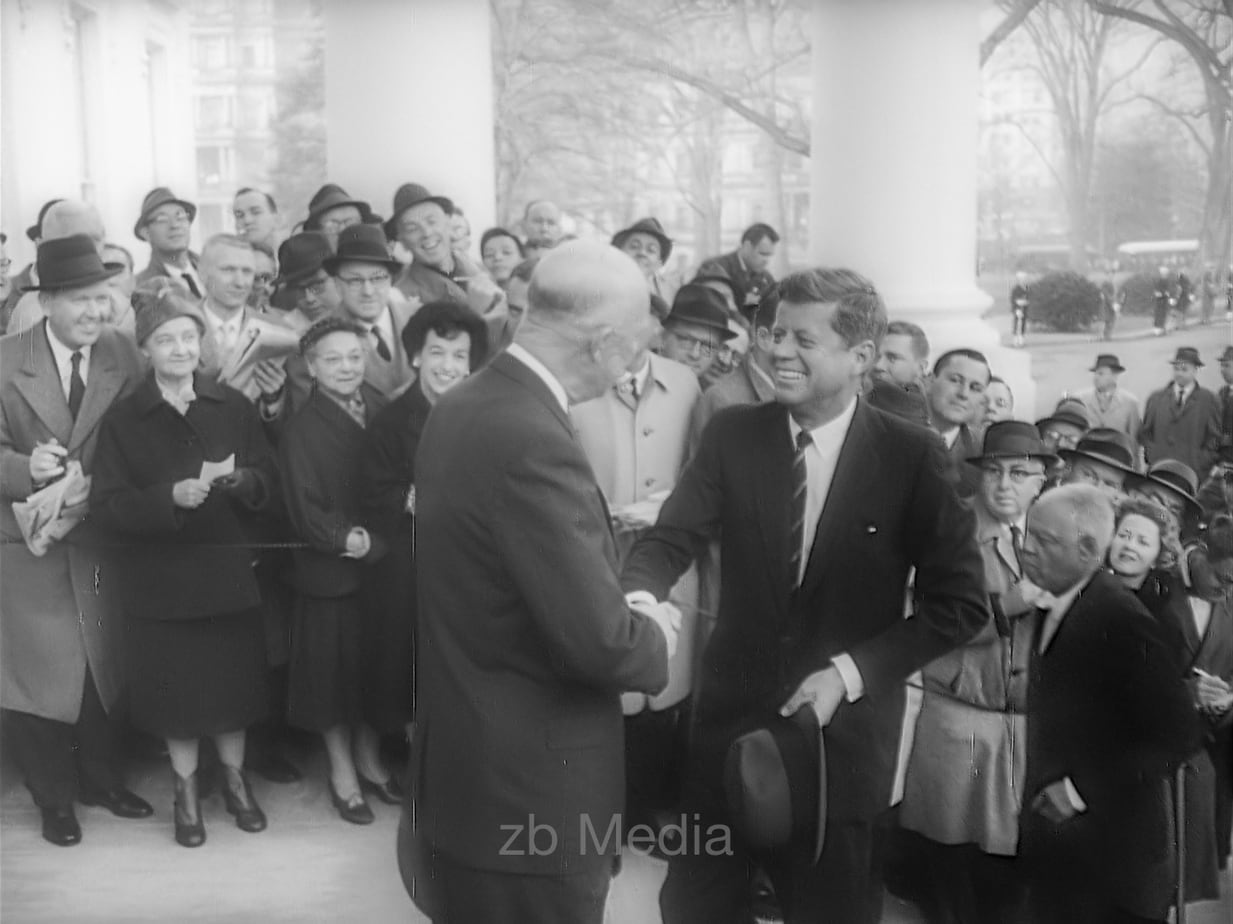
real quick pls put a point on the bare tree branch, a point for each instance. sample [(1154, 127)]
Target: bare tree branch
[(1185, 118), (1014, 18)]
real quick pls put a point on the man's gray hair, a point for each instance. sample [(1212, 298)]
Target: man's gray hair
[(1093, 511)]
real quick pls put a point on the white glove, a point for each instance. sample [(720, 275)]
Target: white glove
[(664, 615)]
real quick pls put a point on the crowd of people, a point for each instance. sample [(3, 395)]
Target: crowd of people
[(658, 527)]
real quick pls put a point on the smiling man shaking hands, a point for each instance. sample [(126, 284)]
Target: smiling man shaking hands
[(822, 505)]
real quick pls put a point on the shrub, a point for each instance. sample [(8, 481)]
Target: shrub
[(1064, 301)]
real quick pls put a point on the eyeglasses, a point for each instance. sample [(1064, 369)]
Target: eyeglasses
[(705, 347), (1017, 475), (170, 218), (263, 279), (357, 283)]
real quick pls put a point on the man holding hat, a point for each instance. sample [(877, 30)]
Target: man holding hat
[(165, 224), (650, 247), (1182, 420), (1108, 405), (822, 505), (965, 775), (303, 283), (1105, 458), (696, 328), (59, 672), (331, 209), (364, 271)]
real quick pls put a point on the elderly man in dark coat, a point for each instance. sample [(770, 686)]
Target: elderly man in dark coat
[(1182, 420), (58, 670)]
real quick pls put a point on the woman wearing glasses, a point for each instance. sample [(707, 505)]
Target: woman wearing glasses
[(965, 775)]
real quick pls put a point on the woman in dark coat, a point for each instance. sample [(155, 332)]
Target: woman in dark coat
[(446, 341), (195, 646), (320, 451)]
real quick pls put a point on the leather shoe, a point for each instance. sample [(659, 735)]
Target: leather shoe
[(120, 802), (190, 831), (60, 827), (275, 768), (389, 792), (238, 797), (354, 810)]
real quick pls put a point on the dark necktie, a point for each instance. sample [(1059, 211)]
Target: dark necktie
[(383, 349), (1016, 542), (192, 284), (77, 386), (800, 493)]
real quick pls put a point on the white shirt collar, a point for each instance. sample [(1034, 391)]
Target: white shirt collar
[(554, 385), (63, 355), (831, 433), (216, 321), (385, 324)]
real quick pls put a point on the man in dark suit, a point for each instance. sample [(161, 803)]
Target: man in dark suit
[(1020, 303), (166, 223), (1182, 420), (747, 266), (822, 506), (957, 399), (525, 639), (1108, 716)]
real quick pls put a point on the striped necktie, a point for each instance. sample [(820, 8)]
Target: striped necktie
[(800, 492)]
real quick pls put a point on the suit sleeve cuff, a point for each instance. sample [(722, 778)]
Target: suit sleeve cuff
[(852, 679), (1076, 800)]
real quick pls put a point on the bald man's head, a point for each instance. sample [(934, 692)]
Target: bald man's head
[(71, 216), (588, 316), (541, 222)]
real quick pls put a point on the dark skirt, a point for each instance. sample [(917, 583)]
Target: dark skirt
[(191, 678), (389, 646), (323, 688)]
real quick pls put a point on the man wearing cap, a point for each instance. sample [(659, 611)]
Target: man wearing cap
[(303, 283), (965, 774), (420, 222), (956, 396), (1109, 406), (1108, 717), (1065, 426), (1104, 458), (1182, 420), (363, 271), (165, 223), (821, 506), (59, 673), (331, 209), (62, 218), (650, 247), (1174, 486), (695, 329)]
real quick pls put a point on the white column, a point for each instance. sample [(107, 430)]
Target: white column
[(894, 159), (409, 98)]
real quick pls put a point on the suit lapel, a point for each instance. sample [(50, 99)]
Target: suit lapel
[(39, 384), (856, 473), (520, 372), (772, 480), (106, 380)]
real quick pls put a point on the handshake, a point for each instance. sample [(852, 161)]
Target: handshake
[(664, 615)]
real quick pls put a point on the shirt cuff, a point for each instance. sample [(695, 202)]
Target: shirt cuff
[(1076, 800), (852, 680), (640, 598)]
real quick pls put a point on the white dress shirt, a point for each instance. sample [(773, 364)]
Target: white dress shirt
[(184, 274), (821, 457), (554, 385), (63, 356), (225, 332), (385, 326), (1055, 614)]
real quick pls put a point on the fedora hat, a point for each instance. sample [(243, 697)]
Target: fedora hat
[(331, 196), (1187, 355), (775, 783), (69, 263), (1068, 411), (1109, 360), (35, 231), (301, 255), (1013, 439), (649, 226), (155, 198), (361, 244), (907, 402), (1227, 355), (1177, 477), (696, 304), (1109, 447), (409, 195)]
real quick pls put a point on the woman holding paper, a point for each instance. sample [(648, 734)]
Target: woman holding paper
[(320, 451), (182, 466), (446, 340)]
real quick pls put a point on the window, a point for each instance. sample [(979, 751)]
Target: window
[(213, 165), (214, 113), (212, 52), (254, 112)]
